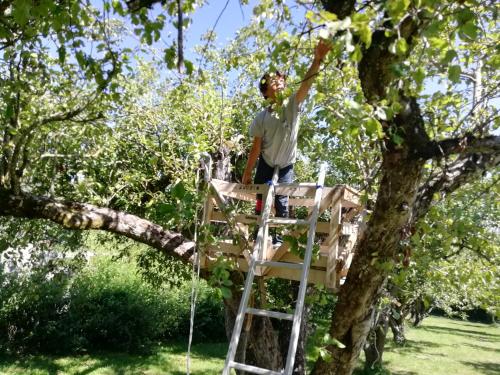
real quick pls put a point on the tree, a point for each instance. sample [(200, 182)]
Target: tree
[(454, 266), (418, 146)]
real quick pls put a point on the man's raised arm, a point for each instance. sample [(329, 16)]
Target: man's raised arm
[(319, 53)]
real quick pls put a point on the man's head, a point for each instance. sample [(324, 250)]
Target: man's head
[(272, 83)]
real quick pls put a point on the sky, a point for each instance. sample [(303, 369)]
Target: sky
[(230, 16)]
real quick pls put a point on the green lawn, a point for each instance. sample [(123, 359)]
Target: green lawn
[(440, 346), (445, 346)]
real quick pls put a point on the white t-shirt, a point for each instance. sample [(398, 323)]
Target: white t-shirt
[(278, 129)]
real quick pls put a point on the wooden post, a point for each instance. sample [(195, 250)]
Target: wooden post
[(331, 264)]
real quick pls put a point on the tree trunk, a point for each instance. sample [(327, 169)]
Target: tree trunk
[(285, 330), (375, 342), (259, 345), (373, 260), (418, 312), (398, 328)]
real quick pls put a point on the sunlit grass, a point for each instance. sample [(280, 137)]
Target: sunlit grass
[(169, 360), (439, 346), (445, 346)]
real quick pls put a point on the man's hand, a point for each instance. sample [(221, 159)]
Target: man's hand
[(252, 159)]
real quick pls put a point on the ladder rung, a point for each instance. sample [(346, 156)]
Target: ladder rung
[(270, 314), (285, 220), (253, 369), (268, 263)]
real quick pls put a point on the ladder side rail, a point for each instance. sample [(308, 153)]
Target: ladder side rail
[(299, 306), (258, 248)]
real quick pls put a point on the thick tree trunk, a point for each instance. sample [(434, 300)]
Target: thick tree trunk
[(259, 345), (285, 331), (373, 260)]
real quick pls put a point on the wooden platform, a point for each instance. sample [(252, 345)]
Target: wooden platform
[(336, 234)]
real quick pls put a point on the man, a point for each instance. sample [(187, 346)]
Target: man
[(275, 129)]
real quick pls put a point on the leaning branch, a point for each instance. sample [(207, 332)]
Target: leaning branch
[(82, 216), (465, 169)]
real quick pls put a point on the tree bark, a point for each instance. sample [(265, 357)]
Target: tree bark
[(375, 342), (258, 345), (374, 258), (82, 216)]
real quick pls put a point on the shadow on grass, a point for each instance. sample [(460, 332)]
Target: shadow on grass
[(201, 350), (486, 368), (462, 332), (361, 371), (30, 363), (116, 363), (483, 348), (411, 346)]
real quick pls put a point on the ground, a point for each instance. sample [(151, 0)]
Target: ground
[(439, 346)]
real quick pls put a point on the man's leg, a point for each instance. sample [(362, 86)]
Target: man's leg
[(263, 174), (281, 201)]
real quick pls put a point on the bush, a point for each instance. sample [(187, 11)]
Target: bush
[(106, 306), (31, 308)]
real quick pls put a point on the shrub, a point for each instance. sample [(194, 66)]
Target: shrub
[(106, 306)]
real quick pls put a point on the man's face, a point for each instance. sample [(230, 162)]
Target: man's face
[(276, 84)]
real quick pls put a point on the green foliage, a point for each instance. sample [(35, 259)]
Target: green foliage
[(105, 306), (455, 253)]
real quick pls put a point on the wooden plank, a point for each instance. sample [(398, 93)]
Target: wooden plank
[(305, 202), (351, 197), (208, 208), (295, 190), (238, 218), (240, 191), (333, 238), (229, 218), (314, 277), (292, 258), (322, 226), (226, 247)]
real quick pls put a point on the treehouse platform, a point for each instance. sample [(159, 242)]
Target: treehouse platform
[(336, 229)]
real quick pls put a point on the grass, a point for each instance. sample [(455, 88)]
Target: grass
[(439, 346), (206, 359), (445, 346)]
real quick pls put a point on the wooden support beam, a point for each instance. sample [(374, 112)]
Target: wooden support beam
[(221, 203), (351, 197), (335, 222)]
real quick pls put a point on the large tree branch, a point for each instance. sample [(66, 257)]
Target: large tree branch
[(468, 144), (82, 216), (465, 169)]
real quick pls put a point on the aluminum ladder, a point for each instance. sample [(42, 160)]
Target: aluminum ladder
[(257, 261)]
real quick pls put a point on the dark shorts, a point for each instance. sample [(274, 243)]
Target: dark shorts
[(263, 175)]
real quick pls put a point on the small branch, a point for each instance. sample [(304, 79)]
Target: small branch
[(180, 38)]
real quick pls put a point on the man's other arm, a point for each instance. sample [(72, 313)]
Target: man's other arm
[(252, 159)]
